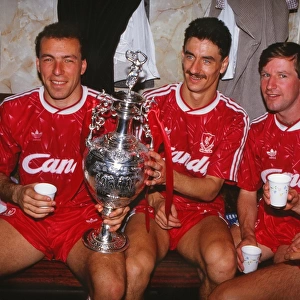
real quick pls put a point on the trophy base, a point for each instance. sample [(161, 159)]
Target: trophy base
[(118, 242)]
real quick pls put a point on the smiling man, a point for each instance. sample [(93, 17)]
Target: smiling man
[(207, 132), (41, 132), (272, 147), (60, 70)]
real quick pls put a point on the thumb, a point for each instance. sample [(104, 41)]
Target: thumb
[(174, 211)]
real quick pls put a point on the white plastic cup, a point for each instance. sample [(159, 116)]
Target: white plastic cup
[(279, 189), (251, 256), (46, 189)]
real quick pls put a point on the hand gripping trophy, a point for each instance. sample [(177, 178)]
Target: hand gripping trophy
[(113, 163)]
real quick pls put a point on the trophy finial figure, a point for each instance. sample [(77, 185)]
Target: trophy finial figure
[(137, 58)]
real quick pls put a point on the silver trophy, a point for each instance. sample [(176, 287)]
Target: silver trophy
[(114, 163)]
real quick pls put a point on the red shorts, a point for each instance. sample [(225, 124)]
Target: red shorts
[(189, 214), (275, 227), (56, 234)]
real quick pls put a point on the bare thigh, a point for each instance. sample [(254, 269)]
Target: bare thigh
[(153, 243), (16, 252), (280, 281)]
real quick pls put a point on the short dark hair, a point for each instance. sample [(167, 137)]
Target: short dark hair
[(211, 29), (60, 30), (289, 50)]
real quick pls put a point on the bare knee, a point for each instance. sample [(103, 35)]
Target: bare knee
[(221, 262), (144, 251), (105, 288), (107, 280), (139, 268)]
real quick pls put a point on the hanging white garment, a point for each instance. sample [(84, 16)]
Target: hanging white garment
[(136, 37), (227, 16), (261, 23)]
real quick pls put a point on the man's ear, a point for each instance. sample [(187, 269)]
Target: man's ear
[(224, 66), (37, 63), (182, 54), (83, 66)]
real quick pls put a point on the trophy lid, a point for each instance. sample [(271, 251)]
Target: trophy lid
[(131, 97)]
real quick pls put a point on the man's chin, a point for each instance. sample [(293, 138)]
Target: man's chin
[(194, 86), (55, 98), (58, 97)]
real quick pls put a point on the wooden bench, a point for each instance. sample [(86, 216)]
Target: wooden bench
[(46, 276)]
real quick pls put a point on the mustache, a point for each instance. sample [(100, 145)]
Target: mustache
[(198, 75)]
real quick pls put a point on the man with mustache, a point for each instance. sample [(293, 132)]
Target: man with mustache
[(207, 132)]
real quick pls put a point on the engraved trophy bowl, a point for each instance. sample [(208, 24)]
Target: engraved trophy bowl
[(113, 163)]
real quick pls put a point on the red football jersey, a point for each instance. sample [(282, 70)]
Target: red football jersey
[(271, 147), (208, 140), (45, 140)]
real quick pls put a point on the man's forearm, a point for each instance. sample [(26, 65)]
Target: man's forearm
[(247, 212), (155, 198), (8, 189), (204, 189)]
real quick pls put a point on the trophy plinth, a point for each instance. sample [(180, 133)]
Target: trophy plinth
[(101, 240), (114, 163), (115, 242)]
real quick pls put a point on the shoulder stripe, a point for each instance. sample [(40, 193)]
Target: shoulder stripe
[(92, 92), (239, 151), (260, 118), (164, 90), (232, 104), (20, 95)]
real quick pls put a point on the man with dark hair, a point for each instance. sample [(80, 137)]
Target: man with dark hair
[(41, 133), (272, 147), (62, 31), (207, 132)]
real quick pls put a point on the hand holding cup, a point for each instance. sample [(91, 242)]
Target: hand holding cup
[(279, 188), (46, 189), (251, 256)]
